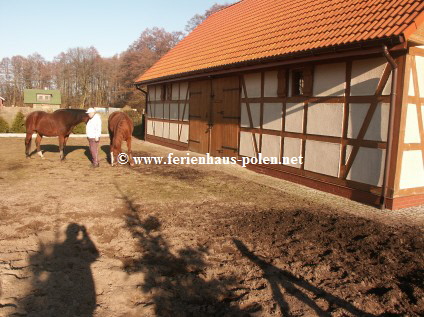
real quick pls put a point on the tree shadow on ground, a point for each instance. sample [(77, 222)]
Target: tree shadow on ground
[(175, 282), (62, 282), (283, 281)]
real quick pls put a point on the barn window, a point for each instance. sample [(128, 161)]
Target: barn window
[(298, 83), (301, 81)]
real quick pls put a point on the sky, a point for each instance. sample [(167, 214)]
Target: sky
[(50, 27)]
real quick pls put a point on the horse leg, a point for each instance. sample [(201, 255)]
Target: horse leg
[(62, 151), (129, 151), (38, 143), (28, 140)]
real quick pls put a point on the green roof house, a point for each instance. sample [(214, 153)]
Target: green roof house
[(42, 99)]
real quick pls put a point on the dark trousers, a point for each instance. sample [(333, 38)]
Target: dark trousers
[(94, 150)]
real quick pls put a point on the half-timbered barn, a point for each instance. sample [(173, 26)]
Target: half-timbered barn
[(338, 83)]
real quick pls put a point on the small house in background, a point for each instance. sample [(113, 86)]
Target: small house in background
[(338, 83), (2, 100), (42, 99)]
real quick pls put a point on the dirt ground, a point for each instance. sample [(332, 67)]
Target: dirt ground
[(191, 240)]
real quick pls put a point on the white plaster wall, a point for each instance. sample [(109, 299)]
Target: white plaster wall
[(322, 157), (419, 61), (253, 85), (151, 110), (173, 108), (292, 148), (272, 116), (247, 147), (411, 89), (152, 94), (377, 131), (166, 111), (271, 146), (271, 84), (412, 132), (158, 92), (182, 112), (173, 131), (166, 130), (329, 79), (150, 127), (175, 91), (184, 133), (325, 119), (183, 91), (294, 117), (368, 166), (366, 74), (159, 129), (159, 111), (255, 110), (412, 173)]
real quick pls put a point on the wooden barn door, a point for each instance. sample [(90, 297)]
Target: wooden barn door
[(215, 116), (226, 116), (200, 103)]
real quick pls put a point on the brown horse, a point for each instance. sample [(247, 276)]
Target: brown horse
[(59, 123), (120, 128)]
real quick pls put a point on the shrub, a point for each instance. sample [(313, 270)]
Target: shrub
[(18, 125), (4, 126), (79, 128)]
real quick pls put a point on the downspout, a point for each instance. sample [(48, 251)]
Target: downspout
[(394, 67), (144, 110)]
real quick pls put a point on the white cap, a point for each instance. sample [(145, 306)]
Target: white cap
[(90, 110)]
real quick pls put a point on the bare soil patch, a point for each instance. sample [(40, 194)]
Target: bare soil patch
[(180, 240)]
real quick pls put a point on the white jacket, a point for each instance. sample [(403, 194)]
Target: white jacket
[(94, 127)]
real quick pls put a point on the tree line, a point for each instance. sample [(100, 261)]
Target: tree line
[(84, 77)]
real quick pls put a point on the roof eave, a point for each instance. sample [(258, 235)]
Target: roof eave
[(355, 46)]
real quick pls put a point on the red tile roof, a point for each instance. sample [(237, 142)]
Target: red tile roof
[(257, 29)]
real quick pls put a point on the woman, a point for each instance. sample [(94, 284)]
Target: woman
[(93, 131)]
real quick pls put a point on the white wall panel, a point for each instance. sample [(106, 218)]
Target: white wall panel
[(273, 116), (159, 129), (184, 133), (419, 61), (175, 91), (255, 110), (412, 173), (173, 115), (271, 84), (294, 117), (411, 89), (166, 111), (183, 113), (412, 132), (377, 130), (166, 130), (253, 85), (173, 131), (368, 166), (366, 74), (159, 111), (325, 119), (152, 94), (150, 127), (322, 157), (183, 91), (329, 79), (271, 146), (292, 148), (247, 147), (158, 92)]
